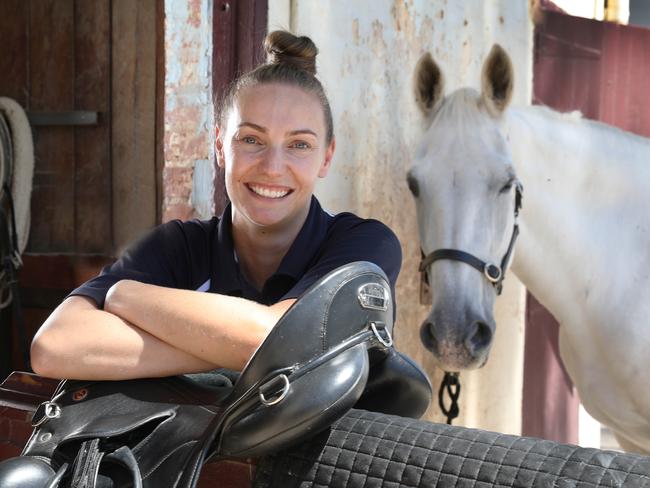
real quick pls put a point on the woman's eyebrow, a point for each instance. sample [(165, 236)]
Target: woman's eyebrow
[(264, 130), (302, 131), (253, 126)]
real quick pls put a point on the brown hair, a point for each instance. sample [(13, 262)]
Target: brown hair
[(290, 60)]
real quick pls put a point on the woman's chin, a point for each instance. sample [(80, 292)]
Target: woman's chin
[(268, 218)]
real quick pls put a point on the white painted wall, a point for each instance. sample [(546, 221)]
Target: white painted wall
[(368, 49)]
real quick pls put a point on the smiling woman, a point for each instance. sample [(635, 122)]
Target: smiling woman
[(194, 296)]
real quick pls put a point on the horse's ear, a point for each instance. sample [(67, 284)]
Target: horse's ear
[(427, 84), (497, 80)]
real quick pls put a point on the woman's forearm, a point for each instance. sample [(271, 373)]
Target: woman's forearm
[(80, 341), (216, 328)]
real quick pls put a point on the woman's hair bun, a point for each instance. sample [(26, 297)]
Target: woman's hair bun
[(283, 47)]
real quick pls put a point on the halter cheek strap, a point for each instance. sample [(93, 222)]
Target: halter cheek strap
[(493, 273)]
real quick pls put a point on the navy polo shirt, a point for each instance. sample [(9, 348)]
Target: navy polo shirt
[(199, 255)]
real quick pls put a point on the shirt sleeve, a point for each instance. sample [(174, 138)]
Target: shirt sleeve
[(162, 257), (363, 240)]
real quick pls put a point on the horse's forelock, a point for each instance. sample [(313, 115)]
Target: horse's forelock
[(462, 115), (463, 106)]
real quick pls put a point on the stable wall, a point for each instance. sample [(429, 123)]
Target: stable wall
[(188, 111), (368, 50)]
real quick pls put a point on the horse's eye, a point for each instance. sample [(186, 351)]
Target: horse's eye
[(413, 184), (506, 188)]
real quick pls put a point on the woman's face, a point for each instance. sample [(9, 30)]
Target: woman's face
[(273, 147)]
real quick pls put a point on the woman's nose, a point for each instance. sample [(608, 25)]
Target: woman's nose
[(273, 161)]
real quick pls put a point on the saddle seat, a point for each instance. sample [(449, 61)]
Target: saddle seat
[(329, 348)]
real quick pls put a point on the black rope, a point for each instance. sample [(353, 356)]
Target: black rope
[(450, 384)]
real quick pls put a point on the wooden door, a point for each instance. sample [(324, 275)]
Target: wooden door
[(96, 184), (238, 31)]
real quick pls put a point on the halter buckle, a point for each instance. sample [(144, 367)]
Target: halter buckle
[(492, 272)]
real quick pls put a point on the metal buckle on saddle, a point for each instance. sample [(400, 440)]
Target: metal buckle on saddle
[(386, 339), (271, 387), (45, 411)]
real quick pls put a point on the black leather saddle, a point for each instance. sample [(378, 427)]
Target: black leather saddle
[(332, 350)]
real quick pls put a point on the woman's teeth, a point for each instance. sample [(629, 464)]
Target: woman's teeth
[(268, 193)]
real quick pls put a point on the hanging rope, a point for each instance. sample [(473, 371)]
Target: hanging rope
[(16, 172), (451, 386), (22, 166)]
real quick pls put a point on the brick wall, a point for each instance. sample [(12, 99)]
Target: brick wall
[(189, 115)]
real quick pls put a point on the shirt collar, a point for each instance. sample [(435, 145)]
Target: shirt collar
[(225, 273), (306, 244), (226, 276)]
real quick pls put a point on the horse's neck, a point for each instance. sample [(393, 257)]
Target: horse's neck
[(585, 208)]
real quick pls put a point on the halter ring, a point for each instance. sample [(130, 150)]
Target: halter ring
[(492, 272)]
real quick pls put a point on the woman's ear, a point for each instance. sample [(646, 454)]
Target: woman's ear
[(329, 154), (218, 144)]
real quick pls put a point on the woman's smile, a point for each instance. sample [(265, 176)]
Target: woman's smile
[(269, 192)]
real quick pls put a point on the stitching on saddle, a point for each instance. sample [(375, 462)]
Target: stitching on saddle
[(521, 463), (353, 420), (396, 443), (324, 322), (466, 455), (169, 454)]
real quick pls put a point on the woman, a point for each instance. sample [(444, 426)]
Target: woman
[(149, 315)]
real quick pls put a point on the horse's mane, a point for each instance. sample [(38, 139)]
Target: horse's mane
[(464, 105)]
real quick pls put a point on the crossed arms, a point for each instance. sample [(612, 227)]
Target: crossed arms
[(151, 331)]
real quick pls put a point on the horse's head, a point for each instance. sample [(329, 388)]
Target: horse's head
[(466, 195)]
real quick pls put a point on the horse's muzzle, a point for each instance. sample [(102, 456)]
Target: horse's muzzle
[(454, 346)]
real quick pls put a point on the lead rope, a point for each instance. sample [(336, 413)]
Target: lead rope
[(450, 384)]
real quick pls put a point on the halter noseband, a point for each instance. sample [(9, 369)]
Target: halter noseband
[(493, 273)]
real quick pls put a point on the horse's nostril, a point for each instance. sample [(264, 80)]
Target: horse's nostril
[(428, 336), (478, 338)]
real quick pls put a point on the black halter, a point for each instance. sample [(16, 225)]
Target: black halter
[(494, 274)]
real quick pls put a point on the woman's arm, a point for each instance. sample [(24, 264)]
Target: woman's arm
[(219, 329), (80, 341)]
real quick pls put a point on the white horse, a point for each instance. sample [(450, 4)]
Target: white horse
[(584, 245)]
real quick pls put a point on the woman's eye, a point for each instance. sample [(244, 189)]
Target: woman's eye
[(301, 145), (249, 140)]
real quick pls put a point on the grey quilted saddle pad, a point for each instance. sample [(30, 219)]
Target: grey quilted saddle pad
[(367, 449)]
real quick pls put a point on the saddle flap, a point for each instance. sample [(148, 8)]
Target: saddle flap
[(158, 420), (307, 405)]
